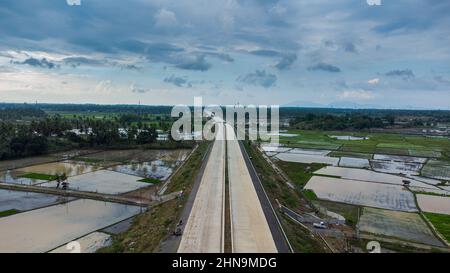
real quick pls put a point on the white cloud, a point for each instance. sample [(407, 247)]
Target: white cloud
[(165, 19), (357, 95), (374, 81), (105, 86)]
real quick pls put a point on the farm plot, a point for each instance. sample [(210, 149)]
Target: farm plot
[(369, 176), (352, 162), (66, 167), (89, 243), (395, 167), (133, 155), (309, 152), (353, 192), (434, 204), (305, 158), (437, 169), (44, 229), (274, 149), (404, 225), (349, 138), (22, 201), (430, 191), (400, 158), (103, 181), (157, 169)]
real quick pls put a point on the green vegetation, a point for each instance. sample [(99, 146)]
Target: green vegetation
[(39, 176), (441, 222), (8, 212), (299, 173), (310, 194), (150, 180), (383, 143), (153, 226)]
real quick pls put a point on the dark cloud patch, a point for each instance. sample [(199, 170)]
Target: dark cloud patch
[(178, 81), (138, 89), (405, 73), (259, 78), (350, 47), (221, 56), (324, 67), (286, 61), (197, 63), (77, 61), (265, 53), (42, 63)]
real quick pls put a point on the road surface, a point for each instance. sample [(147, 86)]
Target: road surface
[(204, 230), (250, 231)]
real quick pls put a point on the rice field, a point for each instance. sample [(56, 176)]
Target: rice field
[(413, 159), (88, 244), (369, 176), (369, 143), (157, 169), (44, 229), (22, 201), (67, 167), (396, 167), (352, 162), (393, 197), (309, 159), (103, 181), (437, 169), (403, 225), (434, 204)]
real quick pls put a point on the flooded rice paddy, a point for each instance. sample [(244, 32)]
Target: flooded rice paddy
[(394, 197), (349, 138), (67, 167), (369, 176), (400, 158), (44, 229), (21, 201), (404, 225), (352, 162), (157, 169), (103, 181), (395, 167), (308, 159), (88, 244)]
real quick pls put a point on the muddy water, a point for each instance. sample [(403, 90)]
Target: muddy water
[(45, 229), (22, 201), (158, 169), (67, 167), (435, 204)]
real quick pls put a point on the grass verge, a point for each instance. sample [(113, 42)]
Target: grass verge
[(441, 222), (39, 176), (150, 180), (8, 212), (277, 189), (299, 173)]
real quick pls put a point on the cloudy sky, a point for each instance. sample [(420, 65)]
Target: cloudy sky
[(311, 53)]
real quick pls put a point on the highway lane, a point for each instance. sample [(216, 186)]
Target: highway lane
[(204, 230), (250, 231)]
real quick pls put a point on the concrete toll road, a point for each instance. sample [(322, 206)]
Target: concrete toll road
[(250, 230), (204, 230)]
